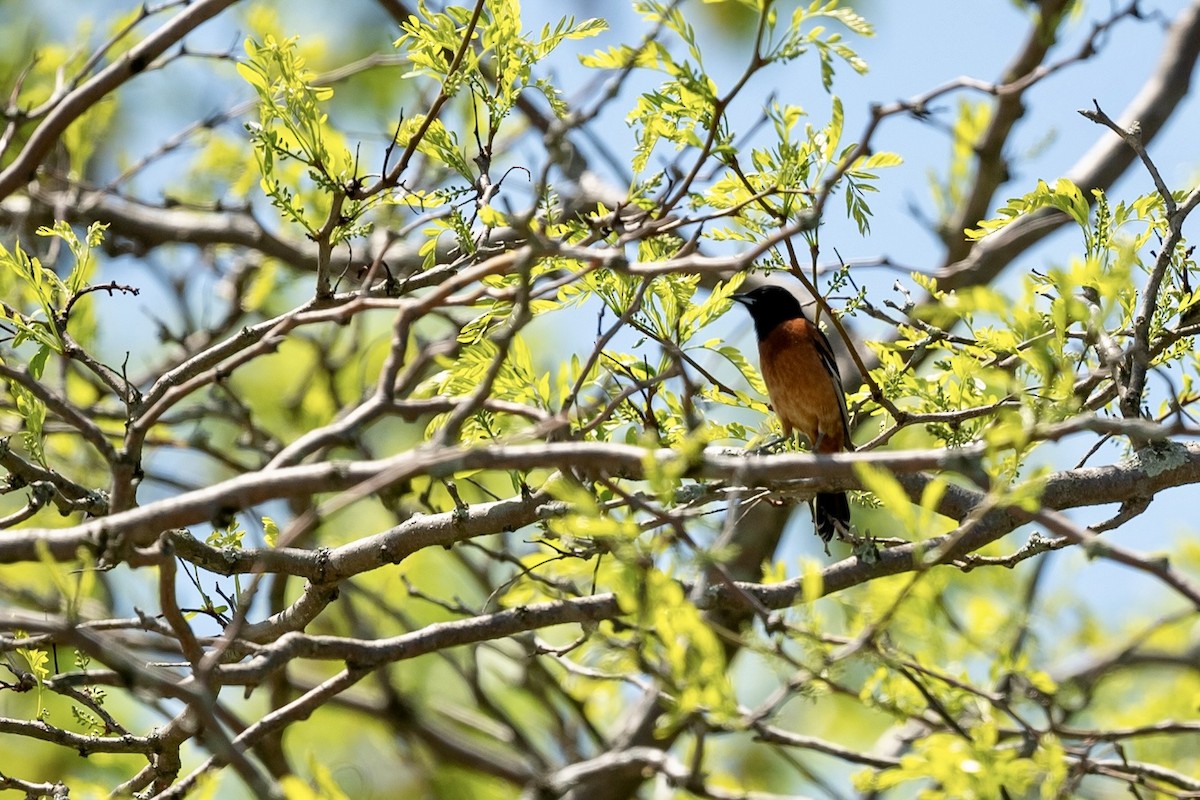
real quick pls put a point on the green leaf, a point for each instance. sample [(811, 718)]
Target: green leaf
[(33, 413), (270, 532), (889, 493)]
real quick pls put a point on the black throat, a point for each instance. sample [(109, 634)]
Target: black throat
[(770, 307)]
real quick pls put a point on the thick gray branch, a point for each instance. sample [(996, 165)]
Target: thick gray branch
[(1180, 464)]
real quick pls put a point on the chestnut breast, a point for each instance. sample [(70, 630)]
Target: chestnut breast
[(804, 394)]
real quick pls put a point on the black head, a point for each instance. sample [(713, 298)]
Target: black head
[(770, 306)]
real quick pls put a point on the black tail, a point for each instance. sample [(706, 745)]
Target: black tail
[(831, 514)]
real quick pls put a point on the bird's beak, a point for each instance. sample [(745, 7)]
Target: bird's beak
[(744, 299)]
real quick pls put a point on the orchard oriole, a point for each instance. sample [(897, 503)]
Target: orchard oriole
[(804, 386)]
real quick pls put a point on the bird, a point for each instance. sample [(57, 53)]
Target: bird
[(804, 387)]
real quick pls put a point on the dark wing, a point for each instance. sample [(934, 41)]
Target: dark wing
[(829, 361)]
